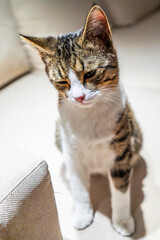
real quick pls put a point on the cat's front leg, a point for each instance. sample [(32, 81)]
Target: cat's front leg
[(79, 185), (122, 220), (78, 177)]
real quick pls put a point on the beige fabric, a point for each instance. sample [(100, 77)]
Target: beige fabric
[(28, 210), (15, 165), (125, 12), (13, 61), (36, 217)]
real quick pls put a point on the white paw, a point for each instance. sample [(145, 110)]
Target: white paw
[(125, 227), (82, 219)]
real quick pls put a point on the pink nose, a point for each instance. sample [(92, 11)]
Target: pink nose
[(80, 99)]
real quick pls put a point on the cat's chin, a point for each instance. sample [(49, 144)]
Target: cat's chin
[(85, 104)]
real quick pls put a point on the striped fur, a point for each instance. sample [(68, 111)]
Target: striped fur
[(126, 144)]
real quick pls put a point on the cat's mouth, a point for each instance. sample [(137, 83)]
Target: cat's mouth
[(85, 102)]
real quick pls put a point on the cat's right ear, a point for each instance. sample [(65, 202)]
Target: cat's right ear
[(41, 43), (97, 27)]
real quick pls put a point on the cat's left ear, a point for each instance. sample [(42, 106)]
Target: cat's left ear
[(97, 26), (43, 44)]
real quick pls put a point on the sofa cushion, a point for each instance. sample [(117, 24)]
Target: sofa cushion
[(125, 12), (139, 50), (51, 17), (13, 61)]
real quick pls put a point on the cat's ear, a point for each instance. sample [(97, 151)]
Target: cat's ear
[(41, 43), (97, 26)]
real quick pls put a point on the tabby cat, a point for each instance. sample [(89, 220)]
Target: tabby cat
[(98, 132)]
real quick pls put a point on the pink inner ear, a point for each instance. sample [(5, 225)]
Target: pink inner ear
[(97, 25), (97, 18), (97, 14)]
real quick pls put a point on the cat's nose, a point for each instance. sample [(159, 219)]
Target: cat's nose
[(79, 99)]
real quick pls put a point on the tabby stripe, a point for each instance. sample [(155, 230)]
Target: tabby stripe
[(74, 62), (74, 57), (108, 66), (102, 74), (59, 71), (121, 139), (74, 54), (100, 77), (73, 48), (122, 115), (78, 45), (111, 66), (120, 173), (131, 124), (82, 63), (121, 128), (59, 51), (121, 157), (110, 79), (62, 67), (62, 82)]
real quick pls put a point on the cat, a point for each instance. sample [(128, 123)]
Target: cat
[(98, 132)]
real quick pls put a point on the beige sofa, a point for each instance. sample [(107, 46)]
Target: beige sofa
[(27, 204), (28, 106)]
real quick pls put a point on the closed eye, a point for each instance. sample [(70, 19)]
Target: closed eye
[(89, 74)]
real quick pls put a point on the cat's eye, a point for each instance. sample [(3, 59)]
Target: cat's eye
[(89, 74)]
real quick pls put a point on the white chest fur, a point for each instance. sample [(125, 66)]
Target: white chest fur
[(86, 133)]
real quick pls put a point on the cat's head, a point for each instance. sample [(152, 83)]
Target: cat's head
[(81, 65)]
